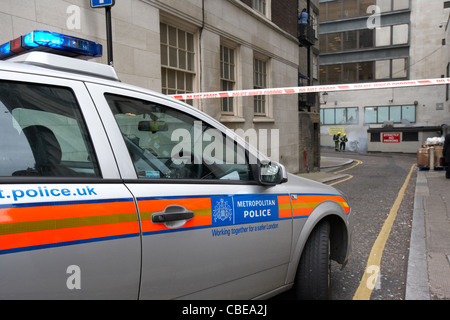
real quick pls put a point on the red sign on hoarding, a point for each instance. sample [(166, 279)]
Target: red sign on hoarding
[(391, 137)]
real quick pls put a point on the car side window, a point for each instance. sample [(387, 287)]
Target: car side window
[(165, 143), (43, 133)]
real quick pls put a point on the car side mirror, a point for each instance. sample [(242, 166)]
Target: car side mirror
[(271, 173)]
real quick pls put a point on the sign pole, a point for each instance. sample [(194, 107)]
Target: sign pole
[(107, 4), (109, 35)]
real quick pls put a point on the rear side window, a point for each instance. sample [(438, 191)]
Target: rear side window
[(43, 133)]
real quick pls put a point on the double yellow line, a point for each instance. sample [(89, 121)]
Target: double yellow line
[(371, 273), (349, 176)]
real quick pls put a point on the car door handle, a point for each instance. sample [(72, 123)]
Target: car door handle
[(172, 213)]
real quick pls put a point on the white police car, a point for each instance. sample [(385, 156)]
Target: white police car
[(112, 191)]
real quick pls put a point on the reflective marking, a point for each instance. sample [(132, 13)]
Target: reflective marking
[(303, 206), (30, 227), (35, 226)]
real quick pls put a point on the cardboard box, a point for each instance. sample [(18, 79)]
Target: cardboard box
[(423, 157)]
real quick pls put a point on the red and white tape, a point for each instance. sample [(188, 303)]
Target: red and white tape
[(307, 89)]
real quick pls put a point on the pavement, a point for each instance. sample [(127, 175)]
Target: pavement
[(428, 275), (429, 258), (326, 163)]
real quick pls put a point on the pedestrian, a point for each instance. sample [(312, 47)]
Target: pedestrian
[(447, 155), (303, 17), (344, 140), (336, 139)]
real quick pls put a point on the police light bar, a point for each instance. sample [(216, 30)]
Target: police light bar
[(56, 43)]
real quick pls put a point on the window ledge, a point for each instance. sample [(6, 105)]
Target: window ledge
[(231, 119), (263, 119)]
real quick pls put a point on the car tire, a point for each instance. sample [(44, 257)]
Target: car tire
[(313, 278)]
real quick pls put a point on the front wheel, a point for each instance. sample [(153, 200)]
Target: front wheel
[(313, 278)]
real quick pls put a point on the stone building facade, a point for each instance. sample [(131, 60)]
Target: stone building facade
[(196, 46), (385, 40)]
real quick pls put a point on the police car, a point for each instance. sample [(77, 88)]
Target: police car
[(111, 191)]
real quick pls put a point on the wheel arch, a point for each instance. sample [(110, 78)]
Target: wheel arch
[(339, 235)]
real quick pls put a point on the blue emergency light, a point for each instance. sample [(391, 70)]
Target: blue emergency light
[(51, 42)]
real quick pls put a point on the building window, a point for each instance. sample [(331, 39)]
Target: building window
[(315, 69), (393, 5), (334, 73), (370, 115), (391, 69), (333, 116), (385, 5), (347, 73), (334, 42), (350, 40), (383, 69), (328, 116), (313, 22), (392, 35), (400, 34), (350, 71), (399, 68), (334, 10), (350, 9), (409, 113), (396, 114), (383, 36), (227, 77), (177, 60), (364, 7), (344, 9), (364, 71), (259, 82), (360, 39), (375, 137), (365, 38), (260, 6), (410, 136), (400, 5)]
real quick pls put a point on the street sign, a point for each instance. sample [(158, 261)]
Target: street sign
[(334, 130), (391, 137), (102, 3)]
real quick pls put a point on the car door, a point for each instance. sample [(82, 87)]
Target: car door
[(209, 230), (68, 225)]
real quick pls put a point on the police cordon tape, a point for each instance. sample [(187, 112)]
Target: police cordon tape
[(308, 89)]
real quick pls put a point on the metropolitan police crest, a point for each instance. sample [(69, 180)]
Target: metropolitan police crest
[(222, 211)]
